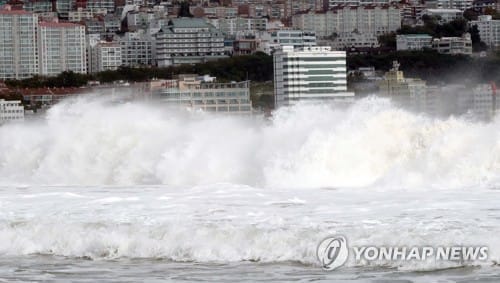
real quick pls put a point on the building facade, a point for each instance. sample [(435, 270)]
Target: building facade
[(11, 111), (18, 50), (413, 41), (61, 47), (188, 41), (373, 20), (407, 92), (309, 73), (453, 45), (203, 93), (485, 102), (106, 56), (489, 30), (137, 49)]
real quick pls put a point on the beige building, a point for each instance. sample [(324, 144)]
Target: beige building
[(406, 92)]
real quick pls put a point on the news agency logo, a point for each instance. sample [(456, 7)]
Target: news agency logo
[(333, 252)]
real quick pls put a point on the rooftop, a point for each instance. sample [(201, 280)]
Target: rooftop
[(188, 23)]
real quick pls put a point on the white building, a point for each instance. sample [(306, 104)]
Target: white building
[(461, 5), (295, 38), (269, 42), (489, 30), (139, 19), (309, 73), (61, 47), (18, 51), (444, 15), (11, 111), (188, 41), (346, 40), (413, 41), (453, 45), (373, 20), (333, 3), (106, 56)]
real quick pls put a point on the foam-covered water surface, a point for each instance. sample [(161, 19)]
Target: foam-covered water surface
[(133, 191)]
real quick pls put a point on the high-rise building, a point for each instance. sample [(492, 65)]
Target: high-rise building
[(309, 73), (61, 47), (18, 52)]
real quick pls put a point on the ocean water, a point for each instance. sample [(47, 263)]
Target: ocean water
[(99, 191)]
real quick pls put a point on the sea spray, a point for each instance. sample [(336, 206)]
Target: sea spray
[(90, 141)]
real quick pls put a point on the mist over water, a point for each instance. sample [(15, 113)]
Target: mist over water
[(91, 141), (97, 183)]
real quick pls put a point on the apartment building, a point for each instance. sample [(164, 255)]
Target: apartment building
[(489, 30), (375, 20), (106, 56), (61, 47), (18, 50), (188, 41), (308, 74), (136, 49), (233, 26)]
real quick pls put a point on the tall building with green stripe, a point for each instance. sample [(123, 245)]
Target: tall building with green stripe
[(313, 73)]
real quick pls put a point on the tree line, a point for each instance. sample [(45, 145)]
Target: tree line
[(256, 67)]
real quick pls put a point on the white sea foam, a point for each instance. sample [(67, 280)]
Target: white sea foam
[(210, 188), (372, 143)]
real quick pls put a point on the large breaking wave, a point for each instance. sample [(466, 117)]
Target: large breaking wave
[(88, 141)]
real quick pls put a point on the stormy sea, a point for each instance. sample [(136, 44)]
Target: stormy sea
[(99, 191)]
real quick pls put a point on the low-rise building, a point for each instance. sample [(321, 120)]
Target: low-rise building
[(11, 110), (453, 45), (406, 92), (348, 40), (203, 93), (413, 41)]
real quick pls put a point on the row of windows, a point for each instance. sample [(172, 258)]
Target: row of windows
[(312, 91)]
